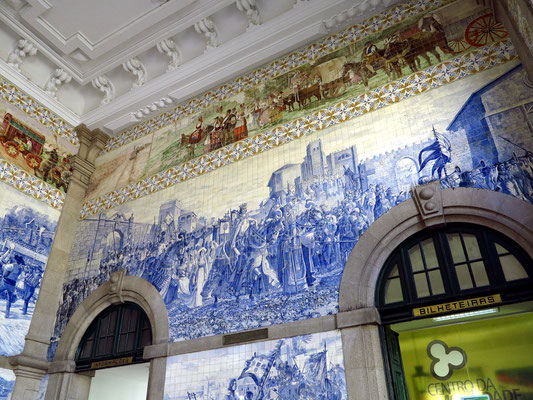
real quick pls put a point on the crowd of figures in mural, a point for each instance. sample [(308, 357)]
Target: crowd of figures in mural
[(25, 240), (289, 253), (30, 151), (292, 370)]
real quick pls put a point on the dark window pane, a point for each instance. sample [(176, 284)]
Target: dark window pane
[(472, 247), (512, 269), (422, 289), (463, 276), (146, 338), (87, 349), (435, 277), (394, 272), (456, 247), (416, 258), (480, 274), (130, 343), (393, 291)]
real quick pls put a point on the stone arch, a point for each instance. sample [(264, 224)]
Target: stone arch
[(120, 288), (430, 206)]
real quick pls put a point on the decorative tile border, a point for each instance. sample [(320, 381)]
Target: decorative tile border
[(31, 185), (409, 86), (281, 66), (37, 111)]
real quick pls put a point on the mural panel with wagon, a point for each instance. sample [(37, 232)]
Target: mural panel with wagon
[(31, 151), (418, 42)]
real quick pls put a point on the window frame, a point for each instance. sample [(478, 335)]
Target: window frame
[(511, 291), (142, 324)]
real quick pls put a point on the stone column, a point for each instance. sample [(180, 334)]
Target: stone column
[(156, 380), (517, 16), (363, 359), (31, 365)]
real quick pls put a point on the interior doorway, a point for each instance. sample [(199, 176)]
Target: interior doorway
[(129, 382), (456, 305)]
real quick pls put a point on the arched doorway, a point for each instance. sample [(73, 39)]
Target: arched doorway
[(90, 336), (113, 348), (456, 304), (429, 208)]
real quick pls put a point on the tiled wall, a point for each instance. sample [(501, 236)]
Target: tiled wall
[(303, 367), (7, 381), (265, 240), (27, 228), (258, 232)]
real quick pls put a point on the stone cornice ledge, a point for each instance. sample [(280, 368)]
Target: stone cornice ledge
[(347, 319)]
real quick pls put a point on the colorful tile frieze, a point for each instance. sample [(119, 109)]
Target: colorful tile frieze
[(37, 111), (31, 185), (309, 54), (419, 82), (36, 144)]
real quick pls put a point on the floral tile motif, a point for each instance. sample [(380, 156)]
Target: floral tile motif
[(412, 85), (31, 185), (278, 67), (32, 108)]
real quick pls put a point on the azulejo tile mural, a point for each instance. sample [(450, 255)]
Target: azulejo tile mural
[(35, 148), (411, 37), (16, 97), (27, 230), (265, 240), (302, 367)]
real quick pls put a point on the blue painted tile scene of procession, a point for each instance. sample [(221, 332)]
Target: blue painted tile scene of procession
[(27, 229), (265, 240), (300, 368)]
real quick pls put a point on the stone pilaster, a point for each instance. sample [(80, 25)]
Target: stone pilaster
[(517, 17), (31, 365)]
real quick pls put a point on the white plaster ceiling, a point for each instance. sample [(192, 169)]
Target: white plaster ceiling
[(112, 63)]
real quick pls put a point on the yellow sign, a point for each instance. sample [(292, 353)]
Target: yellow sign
[(457, 305), (112, 363)]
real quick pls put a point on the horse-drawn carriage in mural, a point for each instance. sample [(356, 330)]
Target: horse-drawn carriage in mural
[(450, 29), (470, 25), (17, 140)]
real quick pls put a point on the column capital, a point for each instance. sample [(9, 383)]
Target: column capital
[(91, 142), (28, 366)]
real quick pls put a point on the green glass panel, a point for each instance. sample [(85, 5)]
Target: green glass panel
[(430, 254), (456, 247), (512, 269), (463, 276), (435, 277), (472, 246), (500, 249), (480, 273), (422, 288), (416, 258), (497, 352), (393, 291)]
